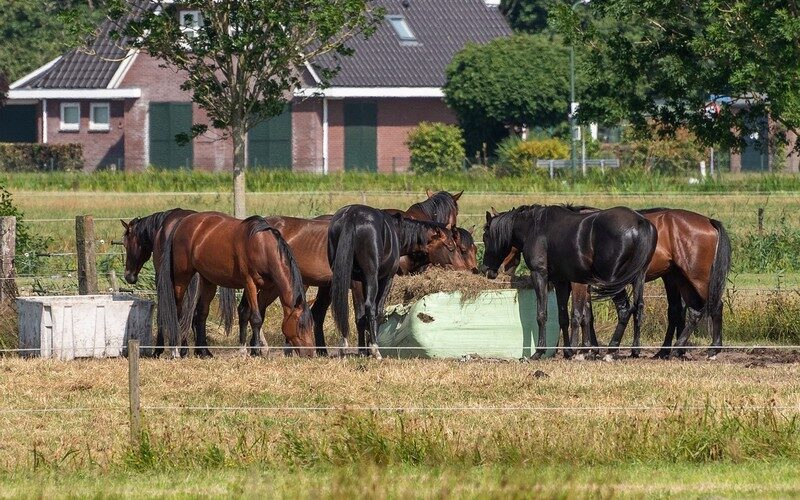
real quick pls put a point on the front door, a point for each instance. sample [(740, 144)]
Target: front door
[(168, 119), (361, 136)]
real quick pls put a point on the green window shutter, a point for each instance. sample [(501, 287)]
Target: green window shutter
[(269, 144), (166, 121), (361, 136)]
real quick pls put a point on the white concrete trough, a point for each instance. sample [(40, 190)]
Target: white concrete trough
[(494, 324), (83, 326)]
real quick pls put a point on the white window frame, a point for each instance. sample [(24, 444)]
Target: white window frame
[(411, 38), (99, 126), (70, 127), (190, 31)]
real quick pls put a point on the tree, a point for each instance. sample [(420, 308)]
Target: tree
[(507, 83), (242, 59), (714, 67), (529, 16), (3, 88)]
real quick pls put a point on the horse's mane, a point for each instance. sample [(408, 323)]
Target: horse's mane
[(466, 236), (413, 233), (438, 207), (257, 224), (501, 228), (146, 228), (578, 208)]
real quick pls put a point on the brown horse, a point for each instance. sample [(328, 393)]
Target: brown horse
[(693, 258), (229, 252), (308, 240), (145, 236)]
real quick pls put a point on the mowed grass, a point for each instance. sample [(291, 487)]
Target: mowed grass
[(357, 427)]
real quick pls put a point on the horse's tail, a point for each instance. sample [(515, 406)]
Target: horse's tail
[(227, 308), (636, 265), (342, 277), (259, 224), (719, 269), (189, 305), (167, 309)]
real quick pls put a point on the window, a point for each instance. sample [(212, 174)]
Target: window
[(401, 28), (70, 116), (191, 21), (99, 116)]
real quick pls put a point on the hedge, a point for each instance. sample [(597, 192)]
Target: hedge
[(24, 157)]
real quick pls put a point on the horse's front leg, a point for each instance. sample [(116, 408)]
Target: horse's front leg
[(540, 288), (563, 289)]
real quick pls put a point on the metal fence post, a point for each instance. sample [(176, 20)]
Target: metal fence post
[(8, 247), (133, 393), (87, 255), (552, 171)]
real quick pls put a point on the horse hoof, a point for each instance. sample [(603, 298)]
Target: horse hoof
[(204, 354), (536, 356), (634, 354), (608, 358), (662, 354)]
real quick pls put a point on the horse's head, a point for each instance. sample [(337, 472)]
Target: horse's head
[(442, 249), (466, 247), (137, 249), (441, 207), (298, 328), (496, 242)]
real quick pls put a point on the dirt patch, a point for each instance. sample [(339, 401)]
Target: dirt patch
[(407, 289)]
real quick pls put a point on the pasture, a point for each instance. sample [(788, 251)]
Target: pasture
[(288, 427)]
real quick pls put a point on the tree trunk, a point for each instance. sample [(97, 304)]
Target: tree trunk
[(239, 164)]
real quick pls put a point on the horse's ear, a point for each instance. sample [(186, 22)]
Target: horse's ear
[(494, 212), (472, 229), (429, 193), (458, 195), (488, 217), (125, 224)]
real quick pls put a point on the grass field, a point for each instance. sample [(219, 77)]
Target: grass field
[(411, 428), (594, 428)]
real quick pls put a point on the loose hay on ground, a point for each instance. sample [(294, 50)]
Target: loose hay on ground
[(407, 289)]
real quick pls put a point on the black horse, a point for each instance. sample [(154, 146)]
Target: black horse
[(365, 245), (607, 250)]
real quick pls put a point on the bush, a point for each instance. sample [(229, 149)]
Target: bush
[(23, 157), (672, 155), (436, 147), (516, 157), (28, 244)]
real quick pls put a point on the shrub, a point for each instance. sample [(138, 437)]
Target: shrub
[(28, 244), (436, 147), (517, 157), (670, 155), (23, 157)]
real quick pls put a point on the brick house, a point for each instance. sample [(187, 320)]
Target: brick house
[(126, 110)]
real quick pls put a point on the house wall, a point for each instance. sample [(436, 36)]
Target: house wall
[(163, 85), (101, 148), (307, 135), (396, 118)]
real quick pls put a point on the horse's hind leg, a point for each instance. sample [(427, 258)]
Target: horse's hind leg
[(540, 287), (638, 313), (359, 310), (716, 330), (580, 310), (256, 319), (207, 292), (244, 320), (692, 318), (674, 316), (371, 288), (318, 311), (623, 316)]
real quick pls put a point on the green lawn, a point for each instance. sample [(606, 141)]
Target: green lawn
[(751, 479)]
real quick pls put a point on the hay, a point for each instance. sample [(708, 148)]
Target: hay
[(408, 289)]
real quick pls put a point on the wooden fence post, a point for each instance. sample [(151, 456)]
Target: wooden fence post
[(8, 248), (761, 220), (87, 255), (133, 393)]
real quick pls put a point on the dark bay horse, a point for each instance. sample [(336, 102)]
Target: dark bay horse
[(693, 258), (441, 207), (144, 237), (233, 253), (466, 246), (365, 245), (608, 250)]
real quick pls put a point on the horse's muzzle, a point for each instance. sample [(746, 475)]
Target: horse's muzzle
[(491, 274), (131, 278)]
